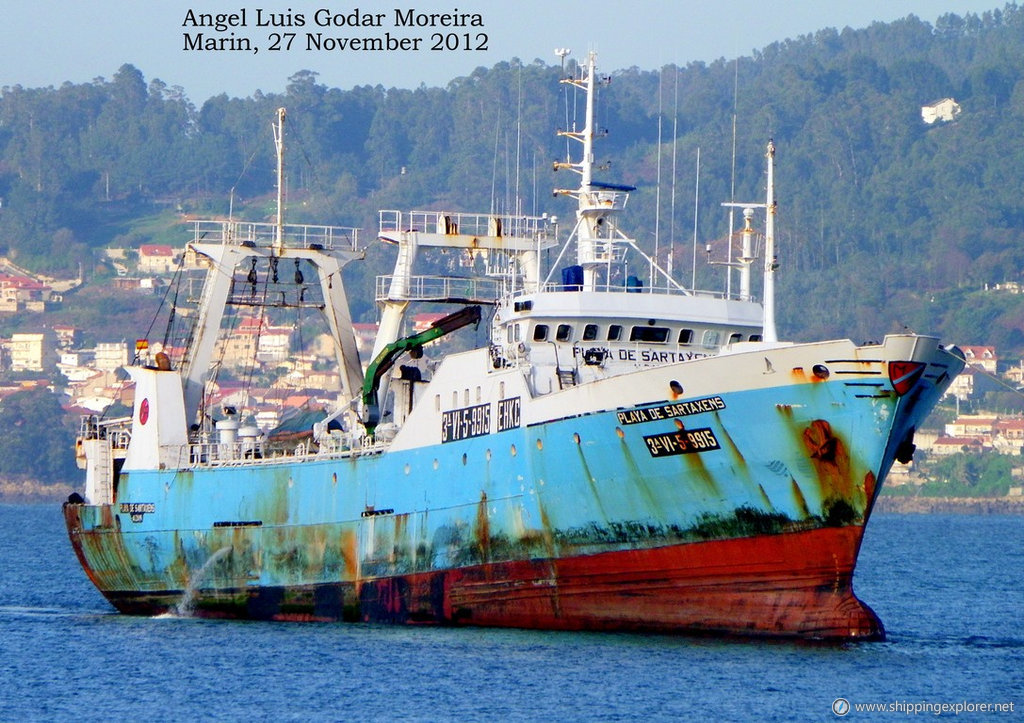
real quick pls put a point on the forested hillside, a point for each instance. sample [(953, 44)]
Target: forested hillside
[(884, 221)]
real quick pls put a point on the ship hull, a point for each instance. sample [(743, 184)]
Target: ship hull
[(735, 509), (796, 584)]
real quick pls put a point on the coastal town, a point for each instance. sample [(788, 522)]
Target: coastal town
[(297, 373)]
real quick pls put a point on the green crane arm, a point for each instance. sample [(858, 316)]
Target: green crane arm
[(385, 360)]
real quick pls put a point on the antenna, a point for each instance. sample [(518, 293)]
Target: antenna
[(562, 54), (657, 193), (517, 205), (279, 144), (732, 183), (675, 142), (696, 207)]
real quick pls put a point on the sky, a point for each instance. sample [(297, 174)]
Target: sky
[(50, 42)]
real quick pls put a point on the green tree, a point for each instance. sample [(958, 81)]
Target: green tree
[(36, 443)]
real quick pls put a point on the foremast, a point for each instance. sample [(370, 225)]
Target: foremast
[(770, 263), (747, 258)]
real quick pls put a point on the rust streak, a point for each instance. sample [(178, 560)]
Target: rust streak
[(483, 528), (831, 460), (591, 482), (799, 499)]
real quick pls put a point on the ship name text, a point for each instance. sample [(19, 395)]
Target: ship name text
[(646, 356), (137, 510), (668, 411)]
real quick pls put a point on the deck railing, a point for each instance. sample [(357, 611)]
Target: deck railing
[(248, 452), (466, 224), (264, 235), (473, 289)]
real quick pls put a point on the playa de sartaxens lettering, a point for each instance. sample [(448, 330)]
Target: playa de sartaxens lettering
[(669, 411)]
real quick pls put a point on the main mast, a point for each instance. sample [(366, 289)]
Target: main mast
[(599, 242), (597, 204)]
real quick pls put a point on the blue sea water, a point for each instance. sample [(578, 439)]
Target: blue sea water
[(950, 590)]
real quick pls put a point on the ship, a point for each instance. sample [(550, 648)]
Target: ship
[(615, 456)]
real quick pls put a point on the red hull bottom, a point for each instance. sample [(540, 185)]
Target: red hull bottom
[(796, 585), (790, 585)]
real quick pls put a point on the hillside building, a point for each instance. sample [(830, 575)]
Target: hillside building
[(157, 259), (253, 338), (22, 293), (981, 357), (944, 110), (110, 356), (33, 352)]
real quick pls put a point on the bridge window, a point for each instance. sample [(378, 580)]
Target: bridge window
[(614, 332), (685, 336), (735, 337), (754, 337), (590, 332), (711, 339), (564, 332), (540, 332), (650, 334)]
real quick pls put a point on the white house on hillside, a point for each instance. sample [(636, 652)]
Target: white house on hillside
[(941, 110), (157, 259)]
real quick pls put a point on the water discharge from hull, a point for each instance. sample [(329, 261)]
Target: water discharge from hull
[(185, 608)]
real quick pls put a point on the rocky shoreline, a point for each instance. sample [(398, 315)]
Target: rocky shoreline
[(26, 491), (950, 505)]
